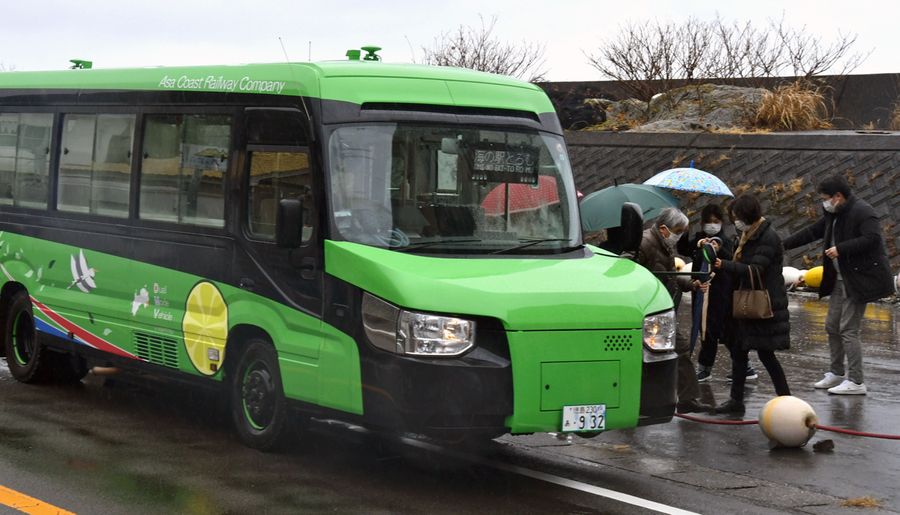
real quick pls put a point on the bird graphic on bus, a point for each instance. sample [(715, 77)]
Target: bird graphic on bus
[(82, 274)]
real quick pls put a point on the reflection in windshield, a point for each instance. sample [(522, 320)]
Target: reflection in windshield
[(447, 189)]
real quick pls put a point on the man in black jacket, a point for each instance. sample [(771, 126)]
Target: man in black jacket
[(856, 271)]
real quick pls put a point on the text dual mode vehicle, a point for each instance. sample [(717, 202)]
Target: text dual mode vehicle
[(391, 245)]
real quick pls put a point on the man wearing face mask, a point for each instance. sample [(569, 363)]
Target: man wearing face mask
[(657, 254), (856, 271)]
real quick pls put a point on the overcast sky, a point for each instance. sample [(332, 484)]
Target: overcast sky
[(45, 34)]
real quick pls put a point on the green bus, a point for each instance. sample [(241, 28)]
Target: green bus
[(395, 246)]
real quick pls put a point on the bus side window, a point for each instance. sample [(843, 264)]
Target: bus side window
[(25, 158), (183, 168), (275, 176), (95, 165)]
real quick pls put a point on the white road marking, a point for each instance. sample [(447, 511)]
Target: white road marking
[(557, 480)]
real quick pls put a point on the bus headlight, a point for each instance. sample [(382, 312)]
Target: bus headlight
[(659, 332), (416, 334)]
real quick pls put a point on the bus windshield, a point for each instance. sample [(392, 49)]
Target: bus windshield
[(444, 189)]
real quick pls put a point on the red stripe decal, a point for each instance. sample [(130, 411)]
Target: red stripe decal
[(85, 336)]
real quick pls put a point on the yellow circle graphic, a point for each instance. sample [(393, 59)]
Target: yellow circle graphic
[(205, 327)]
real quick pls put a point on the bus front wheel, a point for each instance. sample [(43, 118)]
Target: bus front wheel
[(258, 407), (25, 356)]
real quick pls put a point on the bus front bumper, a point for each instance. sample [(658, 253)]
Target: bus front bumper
[(489, 393), (658, 389)]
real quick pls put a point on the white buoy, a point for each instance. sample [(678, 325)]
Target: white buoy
[(787, 421), (791, 276)]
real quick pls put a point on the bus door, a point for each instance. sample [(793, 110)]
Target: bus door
[(278, 167)]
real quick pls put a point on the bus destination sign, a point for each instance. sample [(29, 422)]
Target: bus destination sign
[(494, 162)]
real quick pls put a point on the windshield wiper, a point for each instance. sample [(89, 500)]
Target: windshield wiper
[(424, 244), (528, 243)]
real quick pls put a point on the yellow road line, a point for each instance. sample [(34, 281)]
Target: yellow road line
[(26, 504)]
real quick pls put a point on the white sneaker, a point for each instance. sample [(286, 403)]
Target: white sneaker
[(848, 387), (829, 381)]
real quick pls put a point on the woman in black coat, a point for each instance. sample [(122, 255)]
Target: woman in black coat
[(761, 253), (718, 314)]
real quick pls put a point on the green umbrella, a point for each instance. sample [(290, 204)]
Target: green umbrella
[(603, 209)]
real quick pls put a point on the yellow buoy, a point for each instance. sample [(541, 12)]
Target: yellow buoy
[(787, 421), (813, 277)]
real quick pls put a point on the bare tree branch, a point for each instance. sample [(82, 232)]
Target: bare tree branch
[(648, 57), (477, 48)]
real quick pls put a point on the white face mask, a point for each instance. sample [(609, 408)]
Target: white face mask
[(828, 205), (673, 238), (739, 225), (712, 229)]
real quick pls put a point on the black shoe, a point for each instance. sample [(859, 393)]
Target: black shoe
[(704, 375), (731, 406), (692, 406)]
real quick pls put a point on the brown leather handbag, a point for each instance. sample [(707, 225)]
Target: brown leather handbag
[(752, 304)]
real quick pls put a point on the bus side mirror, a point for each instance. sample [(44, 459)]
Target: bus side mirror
[(288, 223), (632, 228)]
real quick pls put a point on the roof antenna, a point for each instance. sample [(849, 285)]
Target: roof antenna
[(283, 49), (412, 53)]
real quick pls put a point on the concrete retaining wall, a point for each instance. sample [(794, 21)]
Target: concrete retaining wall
[(783, 169)]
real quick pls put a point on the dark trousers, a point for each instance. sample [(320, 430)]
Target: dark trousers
[(710, 345), (688, 387), (708, 349), (739, 359)]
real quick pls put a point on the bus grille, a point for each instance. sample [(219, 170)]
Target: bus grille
[(156, 350), (618, 342)]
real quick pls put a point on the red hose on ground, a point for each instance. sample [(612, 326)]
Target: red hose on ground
[(718, 422), (857, 433), (754, 422)]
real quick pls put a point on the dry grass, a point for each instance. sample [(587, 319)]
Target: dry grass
[(793, 107), (743, 130), (862, 502), (895, 117), (718, 160)]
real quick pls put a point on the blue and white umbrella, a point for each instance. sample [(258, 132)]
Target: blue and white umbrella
[(690, 179)]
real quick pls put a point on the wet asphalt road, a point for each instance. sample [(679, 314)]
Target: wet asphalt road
[(126, 446)]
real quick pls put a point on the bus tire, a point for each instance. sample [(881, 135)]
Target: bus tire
[(25, 356), (258, 408)]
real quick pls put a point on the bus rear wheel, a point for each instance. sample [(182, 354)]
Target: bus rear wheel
[(25, 356), (258, 408)]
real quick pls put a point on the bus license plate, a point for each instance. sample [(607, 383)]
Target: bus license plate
[(590, 417)]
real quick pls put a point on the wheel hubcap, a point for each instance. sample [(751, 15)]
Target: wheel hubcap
[(258, 396)]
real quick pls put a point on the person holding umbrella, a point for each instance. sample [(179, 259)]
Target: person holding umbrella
[(657, 254)]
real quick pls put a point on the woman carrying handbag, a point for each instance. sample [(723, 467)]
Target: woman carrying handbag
[(760, 305)]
